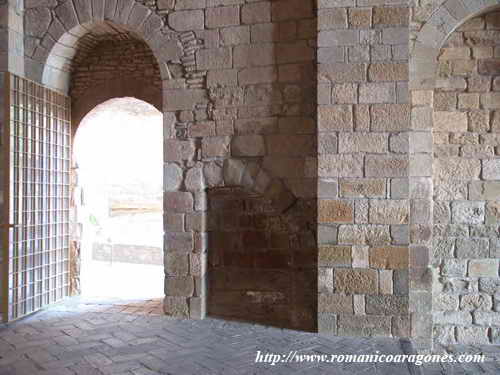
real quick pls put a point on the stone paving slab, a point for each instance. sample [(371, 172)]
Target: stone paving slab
[(74, 339)]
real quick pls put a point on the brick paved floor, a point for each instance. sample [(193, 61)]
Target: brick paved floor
[(126, 337)]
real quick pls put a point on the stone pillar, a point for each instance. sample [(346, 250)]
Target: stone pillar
[(185, 240), (363, 210), (11, 37)]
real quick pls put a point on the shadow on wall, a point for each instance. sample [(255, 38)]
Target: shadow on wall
[(262, 262)]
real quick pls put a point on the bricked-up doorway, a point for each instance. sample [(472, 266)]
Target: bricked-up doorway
[(118, 160)]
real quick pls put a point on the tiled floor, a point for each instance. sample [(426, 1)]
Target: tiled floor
[(95, 337)]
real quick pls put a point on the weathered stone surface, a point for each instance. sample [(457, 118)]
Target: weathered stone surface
[(364, 234), (454, 267), (335, 118), (248, 145), (475, 302), (386, 166), (390, 16), (457, 169), (179, 241), (377, 93), (325, 280), (215, 58), (255, 13), (172, 177), (363, 142), (443, 247), (178, 201), (334, 256), (453, 317), (389, 257), (487, 318), (194, 179), (298, 145), (483, 268), (184, 99), (335, 211), (176, 264), (468, 248), (450, 121), (222, 16), (491, 100), (472, 335), (215, 146), (389, 212), (327, 144), (362, 188), (340, 72), (359, 325), (335, 303), (491, 169), (388, 72), (468, 212), (340, 165), (445, 302), (180, 286), (360, 281), (37, 21), (489, 285), (332, 19), (186, 20), (386, 305), (176, 306)]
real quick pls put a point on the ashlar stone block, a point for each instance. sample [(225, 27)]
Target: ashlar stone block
[(335, 211), (468, 212), (187, 20), (356, 281), (389, 212)]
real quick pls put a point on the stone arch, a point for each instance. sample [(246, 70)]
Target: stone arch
[(135, 73), (425, 47), (72, 20), (436, 30), (184, 87)]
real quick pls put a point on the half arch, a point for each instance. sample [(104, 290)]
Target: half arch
[(436, 30), (71, 21)]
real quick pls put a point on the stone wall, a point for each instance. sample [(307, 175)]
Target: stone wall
[(334, 100), (466, 140), (363, 210), (262, 263), (249, 104), (11, 36)]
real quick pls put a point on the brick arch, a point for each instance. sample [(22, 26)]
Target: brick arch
[(72, 20), (99, 94), (436, 30)]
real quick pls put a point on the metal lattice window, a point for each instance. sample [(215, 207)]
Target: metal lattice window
[(38, 197)]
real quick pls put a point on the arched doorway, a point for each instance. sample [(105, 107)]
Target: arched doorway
[(110, 62), (118, 150)]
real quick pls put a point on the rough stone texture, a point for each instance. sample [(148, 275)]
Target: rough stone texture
[(384, 122), (355, 281), (258, 273), (465, 169)]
